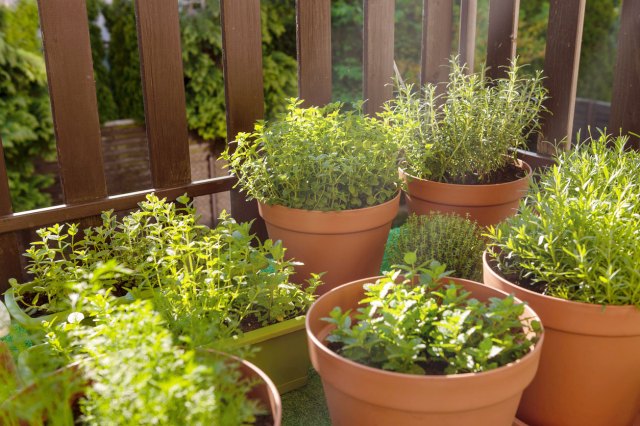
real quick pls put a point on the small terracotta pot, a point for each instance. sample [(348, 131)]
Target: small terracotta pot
[(590, 367), (486, 204), (264, 391), (347, 244), (361, 395)]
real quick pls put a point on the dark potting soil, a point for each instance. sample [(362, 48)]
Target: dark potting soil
[(518, 280), (507, 174), (264, 420)]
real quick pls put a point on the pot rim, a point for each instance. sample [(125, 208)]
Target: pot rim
[(361, 209), (519, 163), (533, 353)]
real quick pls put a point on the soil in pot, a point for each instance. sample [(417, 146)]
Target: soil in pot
[(488, 204), (361, 395), (589, 372)]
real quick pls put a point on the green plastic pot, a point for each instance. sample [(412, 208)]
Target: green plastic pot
[(30, 323), (282, 354)]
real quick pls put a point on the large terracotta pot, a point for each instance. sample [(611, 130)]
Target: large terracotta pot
[(346, 245), (590, 367), (486, 204), (361, 395)]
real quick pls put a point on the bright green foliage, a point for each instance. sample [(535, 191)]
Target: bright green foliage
[(576, 236), (26, 126), (128, 356), (202, 59), (198, 273), (449, 239), (431, 327), (317, 159), (124, 59), (469, 136), (22, 26)]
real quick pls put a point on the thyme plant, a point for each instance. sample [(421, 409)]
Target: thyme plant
[(430, 327), (449, 239), (576, 236), (469, 134), (317, 159)]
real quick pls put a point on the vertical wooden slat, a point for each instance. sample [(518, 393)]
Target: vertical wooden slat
[(163, 90), (503, 33), (65, 36), (9, 254), (467, 47), (379, 31), (561, 63), (242, 61), (314, 51), (625, 104), (437, 36)]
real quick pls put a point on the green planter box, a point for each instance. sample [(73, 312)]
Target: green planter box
[(283, 353)]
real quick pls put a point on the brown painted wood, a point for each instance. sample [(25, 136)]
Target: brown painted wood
[(467, 45), (244, 93), (163, 90), (65, 213), (437, 30), (9, 253), (561, 63), (625, 104), (65, 34), (503, 34), (314, 51), (379, 27)]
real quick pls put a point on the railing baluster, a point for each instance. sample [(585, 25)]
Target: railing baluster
[(163, 90), (378, 53), (467, 48), (242, 47), (437, 29), (625, 105), (314, 51), (561, 63), (503, 33), (65, 35)]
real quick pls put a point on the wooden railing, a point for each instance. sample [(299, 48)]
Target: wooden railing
[(70, 72)]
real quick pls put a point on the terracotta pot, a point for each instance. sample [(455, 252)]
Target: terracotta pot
[(486, 204), (590, 367), (264, 390), (347, 244), (361, 395)]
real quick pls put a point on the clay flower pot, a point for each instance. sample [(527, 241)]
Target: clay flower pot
[(346, 245), (590, 366), (486, 204), (361, 395)]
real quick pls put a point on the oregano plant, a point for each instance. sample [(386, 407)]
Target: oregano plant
[(317, 158)]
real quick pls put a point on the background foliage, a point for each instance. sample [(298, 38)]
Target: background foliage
[(25, 116)]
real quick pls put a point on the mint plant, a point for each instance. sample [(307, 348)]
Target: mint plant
[(467, 136), (448, 239), (576, 236), (413, 321), (317, 159)]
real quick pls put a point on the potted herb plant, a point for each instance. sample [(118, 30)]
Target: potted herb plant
[(127, 355), (422, 349), (327, 186), (209, 284), (459, 150), (447, 238), (572, 254)]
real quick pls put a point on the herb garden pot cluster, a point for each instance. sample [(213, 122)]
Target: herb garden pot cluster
[(358, 394)]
